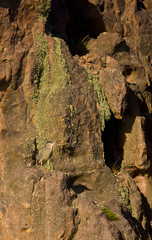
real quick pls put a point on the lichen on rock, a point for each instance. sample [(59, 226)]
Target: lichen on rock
[(48, 87), (103, 106), (47, 94), (42, 8)]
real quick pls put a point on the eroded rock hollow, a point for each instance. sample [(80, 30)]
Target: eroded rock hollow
[(78, 73)]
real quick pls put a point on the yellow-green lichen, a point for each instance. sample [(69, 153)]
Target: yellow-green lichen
[(48, 88), (42, 63), (104, 110), (60, 74), (42, 8), (125, 193), (72, 111)]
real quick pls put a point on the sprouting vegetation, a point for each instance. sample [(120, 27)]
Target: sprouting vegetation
[(110, 215), (79, 46), (115, 166)]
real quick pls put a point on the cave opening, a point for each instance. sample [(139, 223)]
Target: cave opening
[(121, 137), (114, 135), (76, 22), (113, 138), (85, 22)]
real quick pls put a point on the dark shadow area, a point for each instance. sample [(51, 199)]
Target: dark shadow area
[(113, 139), (35, 152), (76, 22), (121, 47), (4, 85), (85, 22), (57, 19), (148, 212), (12, 6), (136, 224), (102, 6), (140, 5), (80, 188), (114, 135), (77, 188)]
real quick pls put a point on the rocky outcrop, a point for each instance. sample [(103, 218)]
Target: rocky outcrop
[(116, 92), (135, 147), (96, 105)]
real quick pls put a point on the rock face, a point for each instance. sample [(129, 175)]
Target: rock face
[(96, 105), (135, 147), (116, 92)]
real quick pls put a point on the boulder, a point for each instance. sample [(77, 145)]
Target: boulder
[(114, 85)]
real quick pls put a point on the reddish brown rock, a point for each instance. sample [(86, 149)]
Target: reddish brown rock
[(113, 83), (95, 224), (135, 150), (46, 95), (105, 44)]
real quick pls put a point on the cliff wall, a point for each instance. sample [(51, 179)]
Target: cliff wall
[(77, 73)]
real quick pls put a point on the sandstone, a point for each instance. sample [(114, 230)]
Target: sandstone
[(105, 44), (115, 89), (135, 150), (102, 164)]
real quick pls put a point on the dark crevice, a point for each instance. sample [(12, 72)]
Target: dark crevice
[(127, 71), (4, 85), (76, 187), (114, 135), (85, 21), (136, 225), (12, 6), (18, 79), (35, 152), (113, 146), (101, 7), (79, 188), (121, 47), (76, 22), (140, 5)]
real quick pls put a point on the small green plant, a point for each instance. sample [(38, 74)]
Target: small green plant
[(115, 166), (79, 46), (110, 215)]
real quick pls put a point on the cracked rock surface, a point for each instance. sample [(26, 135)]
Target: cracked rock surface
[(77, 73)]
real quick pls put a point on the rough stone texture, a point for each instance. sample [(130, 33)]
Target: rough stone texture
[(105, 44), (58, 18), (94, 224), (52, 213), (135, 150), (116, 92), (48, 94)]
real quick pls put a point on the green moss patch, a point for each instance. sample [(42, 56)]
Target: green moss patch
[(110, 215)]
